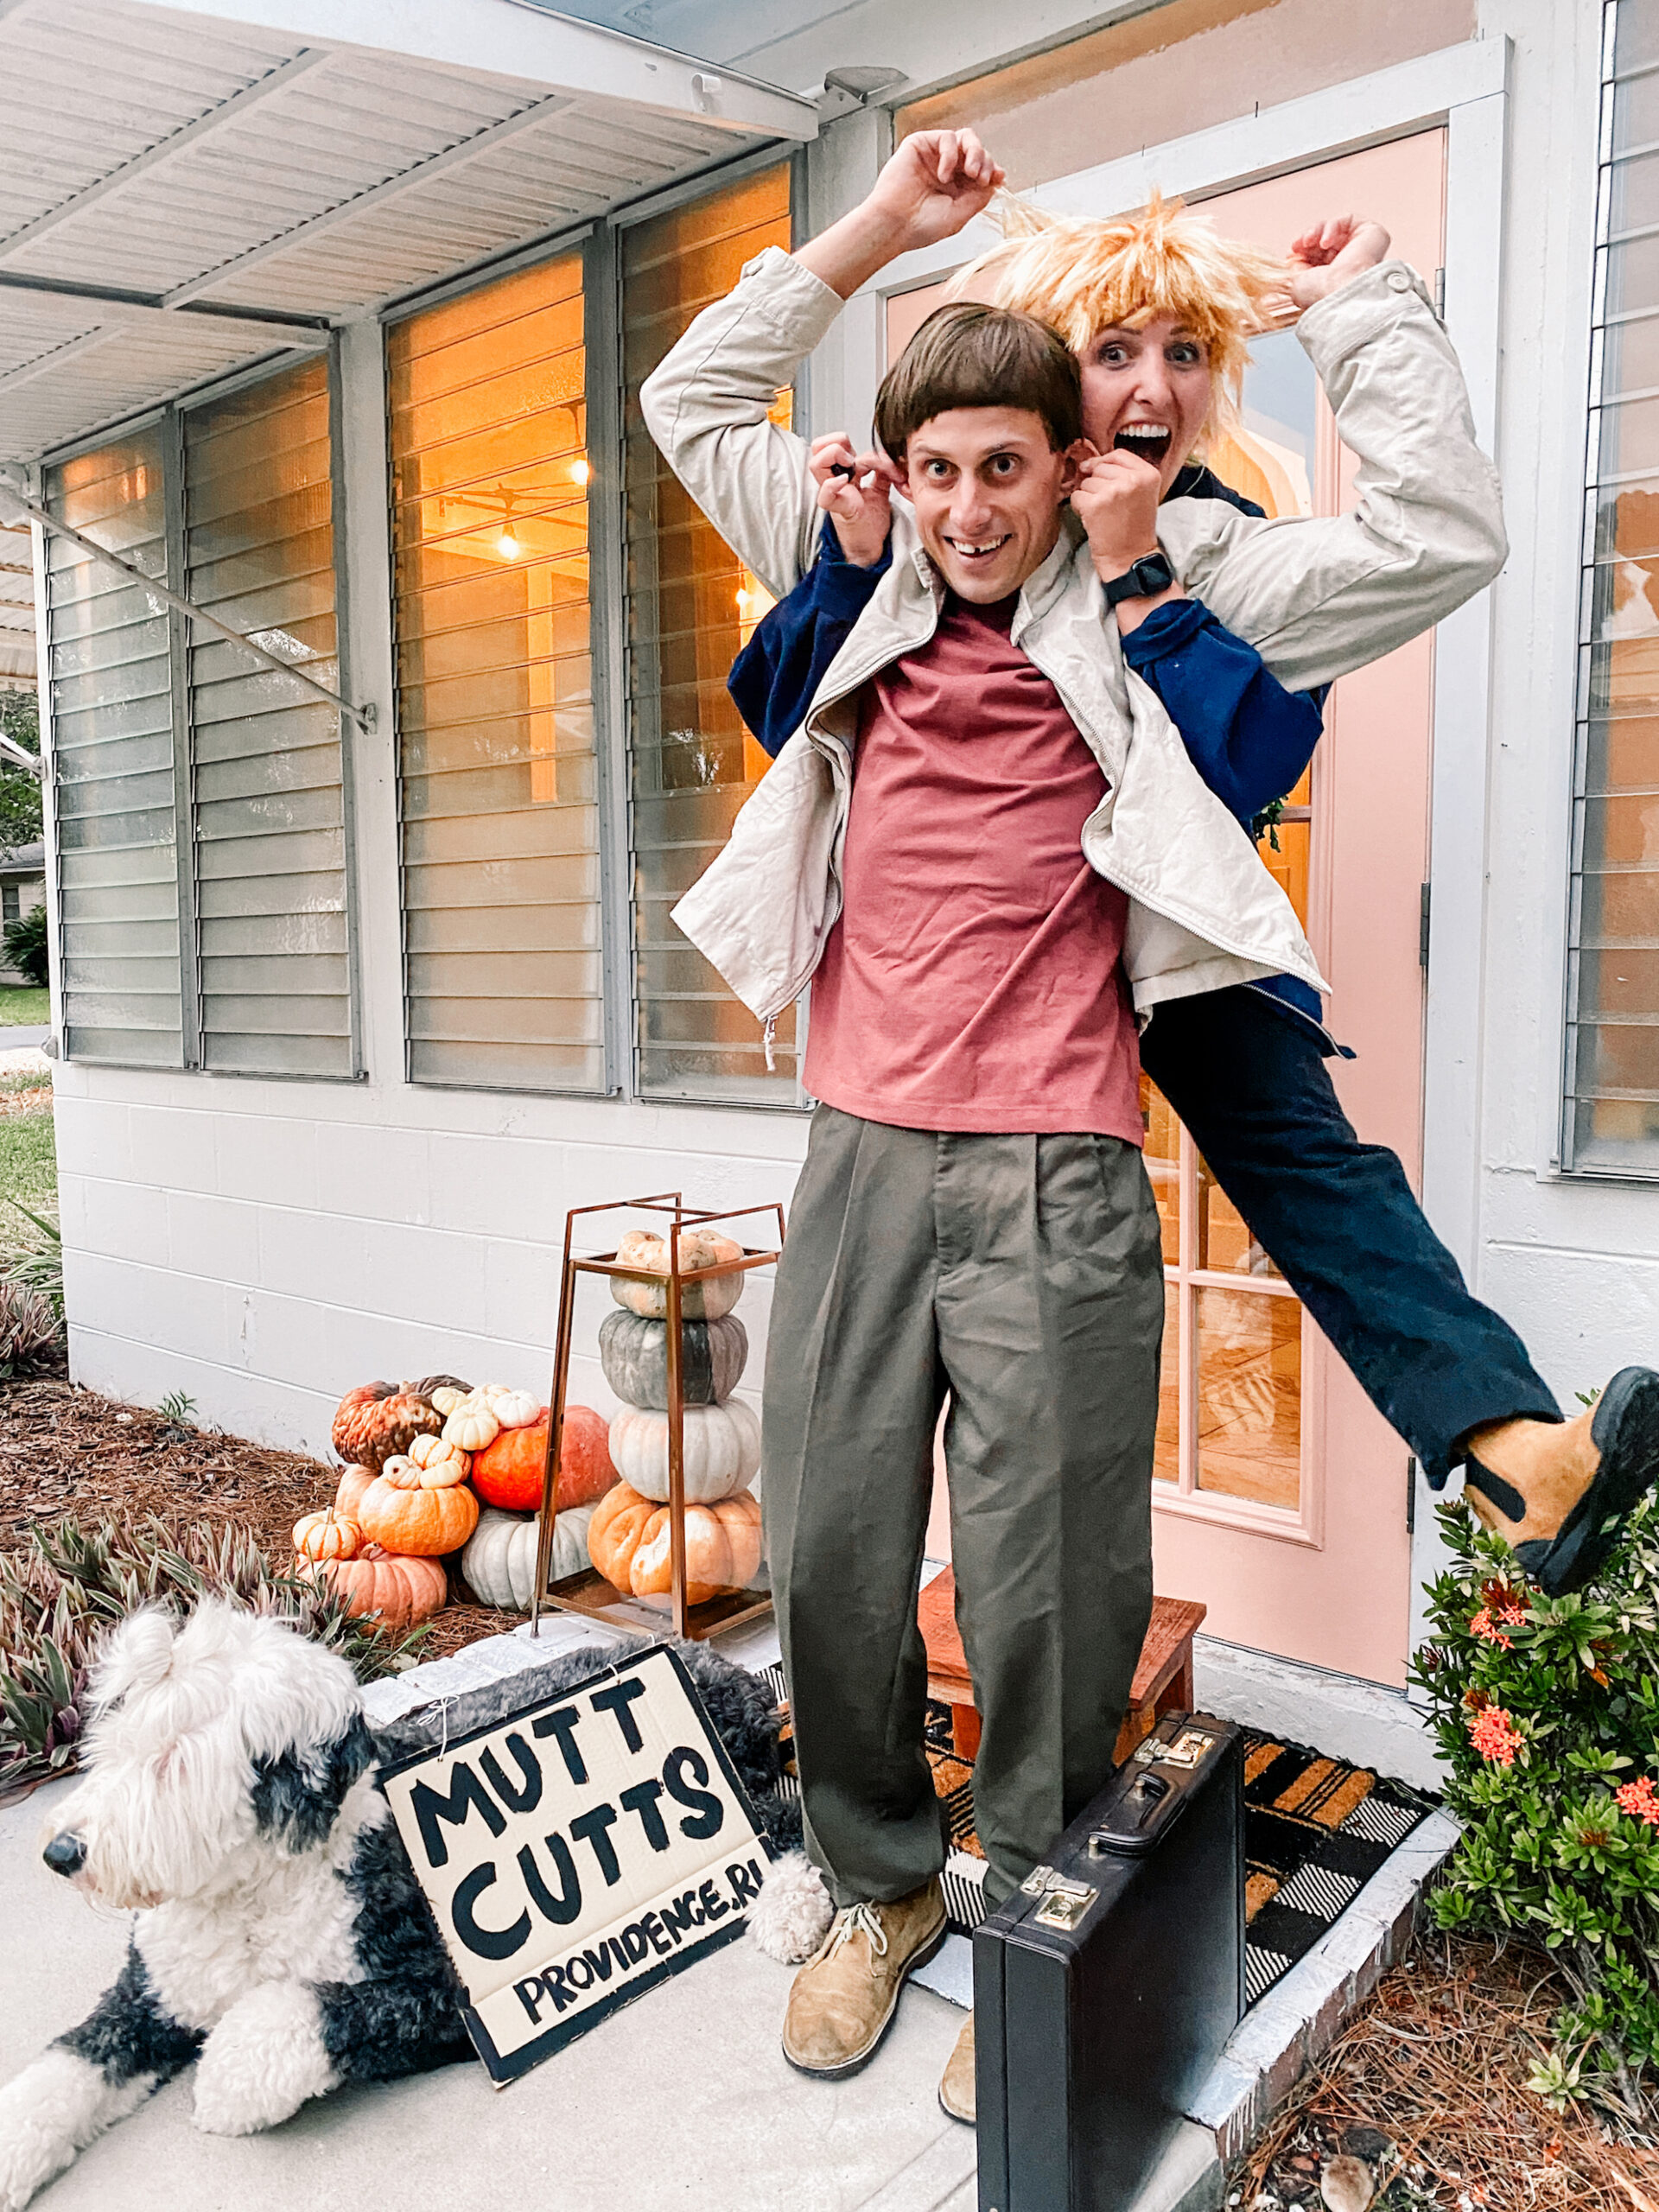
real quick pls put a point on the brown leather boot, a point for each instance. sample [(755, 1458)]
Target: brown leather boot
[(1560, 1492), (842, 2001), (957, 2091)]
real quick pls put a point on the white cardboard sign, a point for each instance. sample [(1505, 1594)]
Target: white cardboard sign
[(578, 1853)]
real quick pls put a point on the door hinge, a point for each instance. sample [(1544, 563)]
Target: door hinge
[(1425, 901), (1439, 293)]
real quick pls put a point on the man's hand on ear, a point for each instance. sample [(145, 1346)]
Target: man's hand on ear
[(935, 184), (1325, 256)]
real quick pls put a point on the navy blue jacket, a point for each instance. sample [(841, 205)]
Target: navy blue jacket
[(1248, 737)]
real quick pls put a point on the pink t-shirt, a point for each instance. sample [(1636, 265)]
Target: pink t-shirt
[(975, 980)]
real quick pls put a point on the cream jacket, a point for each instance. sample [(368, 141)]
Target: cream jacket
[(1317, 597)]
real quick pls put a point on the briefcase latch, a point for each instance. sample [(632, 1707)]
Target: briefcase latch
[(1066, 1905)]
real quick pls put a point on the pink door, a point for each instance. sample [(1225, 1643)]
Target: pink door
[(1281, 1495)]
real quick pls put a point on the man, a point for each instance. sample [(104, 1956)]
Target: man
[(971, 1219), (1158, 308)]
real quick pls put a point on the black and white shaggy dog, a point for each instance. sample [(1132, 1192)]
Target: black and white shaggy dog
[(280, 1942)]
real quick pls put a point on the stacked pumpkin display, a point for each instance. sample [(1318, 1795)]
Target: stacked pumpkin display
[(629, 1537), (437, 1467)]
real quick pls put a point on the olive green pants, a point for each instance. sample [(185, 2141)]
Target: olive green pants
[(1021, 1278)]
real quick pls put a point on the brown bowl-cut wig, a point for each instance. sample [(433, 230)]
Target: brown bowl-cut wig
[(970, 355)]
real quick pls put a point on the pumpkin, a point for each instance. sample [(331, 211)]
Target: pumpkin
[(472, 1424), (633, 1352), (400, 1511), (327, 1534), (439, 1462), (381, 1418), (723, 1450), (429, 1385), (512, 1409), (629, 1541), (509, 1472), (699, 1248), (353, 1481), (397, 1589), (447, 1397), (500, 1560)]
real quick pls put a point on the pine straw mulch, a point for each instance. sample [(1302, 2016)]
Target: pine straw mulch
[(33, 1101), (65, 1451), (1427, 2083)]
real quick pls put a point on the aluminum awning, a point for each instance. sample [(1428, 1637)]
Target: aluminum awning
[(187, 189)]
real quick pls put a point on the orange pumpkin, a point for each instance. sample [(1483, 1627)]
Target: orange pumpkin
[(508, 1473), (380, 1418), (327, 1535), (353, 1481), (629, 1541), (397, 1591), (403, 1509)]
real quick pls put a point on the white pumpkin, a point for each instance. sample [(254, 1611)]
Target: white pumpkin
[(722, 1451), (500, 1560), (512, 1409), (439, 1462), (473, 1424), (445, 1399), (708, 1300)]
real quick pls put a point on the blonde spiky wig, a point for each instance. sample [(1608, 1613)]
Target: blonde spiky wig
[(1082, 275)]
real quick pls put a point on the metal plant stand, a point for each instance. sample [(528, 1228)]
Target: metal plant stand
[(588, 1591)]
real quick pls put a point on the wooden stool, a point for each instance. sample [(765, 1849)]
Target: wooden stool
[(1163, 1679)]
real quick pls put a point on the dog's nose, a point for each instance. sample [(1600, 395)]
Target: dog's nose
[(65, 1855)]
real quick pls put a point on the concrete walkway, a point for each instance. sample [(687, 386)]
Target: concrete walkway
[(681, 2102)]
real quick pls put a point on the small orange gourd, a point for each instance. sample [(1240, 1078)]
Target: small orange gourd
[(406, 1512), (327, 1535)]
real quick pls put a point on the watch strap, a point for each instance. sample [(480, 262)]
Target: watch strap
[(1143, 579)]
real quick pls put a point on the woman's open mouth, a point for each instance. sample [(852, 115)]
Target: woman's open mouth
[(1150, 441)]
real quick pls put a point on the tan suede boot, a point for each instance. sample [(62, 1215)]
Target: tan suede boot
[(842, 2001), (957, 2091), (1560, 1492)]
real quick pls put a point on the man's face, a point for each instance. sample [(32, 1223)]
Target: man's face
[(1147, 392), (988, 488)]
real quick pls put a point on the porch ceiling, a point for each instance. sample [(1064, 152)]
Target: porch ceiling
[(187, 188)]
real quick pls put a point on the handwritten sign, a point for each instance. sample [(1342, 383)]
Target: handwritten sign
[(578, 1853)]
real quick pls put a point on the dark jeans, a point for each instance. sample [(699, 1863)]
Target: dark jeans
[(1248, 1078)]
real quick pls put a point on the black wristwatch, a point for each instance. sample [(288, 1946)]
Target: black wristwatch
[(1149, 576)]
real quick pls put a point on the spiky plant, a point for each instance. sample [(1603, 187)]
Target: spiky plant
[(40, 1269), (67, 1586), (29, 1328)]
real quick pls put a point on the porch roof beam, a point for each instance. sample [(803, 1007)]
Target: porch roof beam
[(132, 308), (520, 40), (235, 106)]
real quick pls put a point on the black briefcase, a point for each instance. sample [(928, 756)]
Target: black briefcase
[(1104, 1988)]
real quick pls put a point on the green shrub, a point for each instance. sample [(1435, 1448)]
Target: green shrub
[(1547, 1711), (25, 943), (69, 1583)]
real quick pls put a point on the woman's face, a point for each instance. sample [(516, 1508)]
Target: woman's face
[(1147, 392)]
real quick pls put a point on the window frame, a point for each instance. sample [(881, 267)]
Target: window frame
[(1570, 1141), (598, 240), (168, 421)]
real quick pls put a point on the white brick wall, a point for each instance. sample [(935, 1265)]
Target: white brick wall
[(265, 1246)]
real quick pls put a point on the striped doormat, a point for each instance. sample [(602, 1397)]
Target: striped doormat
[(1316, 1830)]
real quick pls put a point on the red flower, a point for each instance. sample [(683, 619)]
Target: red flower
[(1495, 1736), (1482, 1625), (1638, 1799)]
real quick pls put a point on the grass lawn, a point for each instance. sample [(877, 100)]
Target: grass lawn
[(28, 1160), (23, 1007)]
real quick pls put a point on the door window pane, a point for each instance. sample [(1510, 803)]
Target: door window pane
[(1249, 1413), (1612, 1055), (269, 818), (691, 603), (110, 677), (499, 795)]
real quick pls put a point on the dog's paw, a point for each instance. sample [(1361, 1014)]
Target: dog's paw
[(263, 2062), (53, 2109), (791, 1916)]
